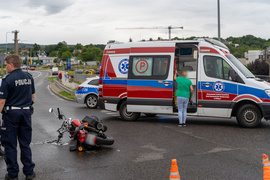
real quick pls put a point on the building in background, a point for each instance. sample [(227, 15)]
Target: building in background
[(252, 55)]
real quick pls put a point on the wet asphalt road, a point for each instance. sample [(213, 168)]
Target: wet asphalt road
[(209, 149)]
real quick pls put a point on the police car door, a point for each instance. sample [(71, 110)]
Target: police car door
[(150, 85), (218, 90)]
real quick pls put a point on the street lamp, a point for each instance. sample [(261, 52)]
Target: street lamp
[(218, 19), (6, 41)]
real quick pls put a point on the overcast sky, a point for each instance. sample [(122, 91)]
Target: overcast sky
[(92, 21)]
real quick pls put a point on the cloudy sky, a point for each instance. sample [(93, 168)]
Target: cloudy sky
[(92, 21)]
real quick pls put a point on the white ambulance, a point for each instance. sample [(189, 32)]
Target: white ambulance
[(137, 78)]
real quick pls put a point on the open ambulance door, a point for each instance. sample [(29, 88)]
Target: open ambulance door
[(150, 84), (186, 58)]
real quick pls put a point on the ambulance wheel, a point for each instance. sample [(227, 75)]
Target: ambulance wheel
[(91, 101), (127, 116), (150, 114), (249, 116)]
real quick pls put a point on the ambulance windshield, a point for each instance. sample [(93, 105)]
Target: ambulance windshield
[(240, 66)]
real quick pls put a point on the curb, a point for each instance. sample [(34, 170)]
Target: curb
[(60, 95)]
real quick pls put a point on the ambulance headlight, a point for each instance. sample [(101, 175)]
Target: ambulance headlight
[(268, 92)]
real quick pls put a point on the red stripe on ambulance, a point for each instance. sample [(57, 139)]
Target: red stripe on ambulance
[(117, 51), (248, 97), (149, 92), (110, 70), (113, 90), (208, 50), (152, 50), (212, 95)]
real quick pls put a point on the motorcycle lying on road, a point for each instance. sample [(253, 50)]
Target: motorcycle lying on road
[(88, 133)]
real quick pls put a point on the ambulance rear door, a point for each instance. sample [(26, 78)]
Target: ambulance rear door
[(150, 82)]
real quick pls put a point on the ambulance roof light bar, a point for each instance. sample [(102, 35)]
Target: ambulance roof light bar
[(113, 41), (215, 42)]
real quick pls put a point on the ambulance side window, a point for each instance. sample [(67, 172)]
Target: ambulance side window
[(216, 67), (160, 66), (149, 67)]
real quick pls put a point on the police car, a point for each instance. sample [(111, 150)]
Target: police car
[(87, 92)]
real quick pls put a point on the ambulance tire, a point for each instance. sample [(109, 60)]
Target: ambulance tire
[(91, 101), (249, 116), (150, 114), (127, 116)]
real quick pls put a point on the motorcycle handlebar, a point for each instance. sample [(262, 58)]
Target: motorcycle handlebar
[(60, 116)]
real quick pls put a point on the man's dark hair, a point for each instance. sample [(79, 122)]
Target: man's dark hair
[(15, 60)]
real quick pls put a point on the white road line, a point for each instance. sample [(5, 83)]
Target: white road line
[(54, 94), (38, 75)]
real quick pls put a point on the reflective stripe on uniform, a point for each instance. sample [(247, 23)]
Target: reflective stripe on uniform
[(12, 107), (266, 164)]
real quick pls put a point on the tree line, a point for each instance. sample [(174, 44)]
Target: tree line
[(62, 50)]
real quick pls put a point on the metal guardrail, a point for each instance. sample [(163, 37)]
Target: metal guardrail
[(64, 88)]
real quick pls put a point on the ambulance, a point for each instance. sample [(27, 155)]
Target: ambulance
[(137, 77)]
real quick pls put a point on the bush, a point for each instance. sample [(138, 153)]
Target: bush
[(259, 67)]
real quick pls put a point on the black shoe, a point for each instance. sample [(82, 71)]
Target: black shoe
[(8, 178), (29, 177), (1, 152)]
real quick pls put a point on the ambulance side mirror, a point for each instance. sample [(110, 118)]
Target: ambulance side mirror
[(233, 76)]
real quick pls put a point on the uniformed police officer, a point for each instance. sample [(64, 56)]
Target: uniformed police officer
[(17, 93)]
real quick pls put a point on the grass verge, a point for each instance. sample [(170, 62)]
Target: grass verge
[(64, 93), (51, 78)]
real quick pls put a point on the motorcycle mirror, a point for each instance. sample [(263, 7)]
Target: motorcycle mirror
[(51, 110)]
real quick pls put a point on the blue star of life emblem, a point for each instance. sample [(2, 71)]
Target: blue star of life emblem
[(218, 86), (123, 66)]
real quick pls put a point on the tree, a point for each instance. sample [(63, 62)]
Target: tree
[(66, 55), (36, 47), (78, 46), (150, 39), (53, 54), (130, 40), (91, 54)]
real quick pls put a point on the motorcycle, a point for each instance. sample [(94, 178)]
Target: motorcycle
[(88, 133)]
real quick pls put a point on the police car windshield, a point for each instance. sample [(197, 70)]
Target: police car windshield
[(240, 66)]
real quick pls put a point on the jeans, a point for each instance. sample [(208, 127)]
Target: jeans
[(182, 104)]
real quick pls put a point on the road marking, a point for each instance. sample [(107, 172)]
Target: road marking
[(38, 75), (53, 93)]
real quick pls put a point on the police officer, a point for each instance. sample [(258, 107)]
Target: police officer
[(17, 93)]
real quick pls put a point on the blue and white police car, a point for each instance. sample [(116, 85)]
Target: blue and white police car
[(87, 92)]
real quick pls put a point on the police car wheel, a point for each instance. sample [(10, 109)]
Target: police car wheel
[(91, 101), (127, 116), (249, 116)]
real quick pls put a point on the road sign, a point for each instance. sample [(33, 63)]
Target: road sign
[(68, 63)]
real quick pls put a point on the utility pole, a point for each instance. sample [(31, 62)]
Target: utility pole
[(218, 19), (16, 45)]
